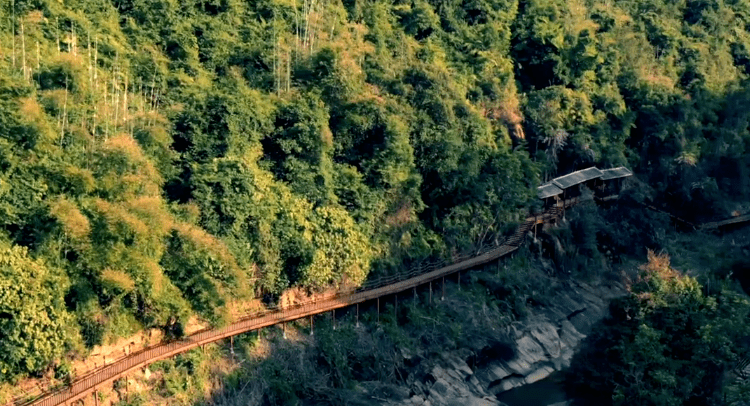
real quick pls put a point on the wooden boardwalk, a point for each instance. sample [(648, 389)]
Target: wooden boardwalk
[(722, 223), (426, 273)]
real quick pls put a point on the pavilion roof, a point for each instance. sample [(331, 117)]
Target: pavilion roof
[(577, 177)]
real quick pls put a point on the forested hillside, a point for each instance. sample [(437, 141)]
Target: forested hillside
[(162, 158)]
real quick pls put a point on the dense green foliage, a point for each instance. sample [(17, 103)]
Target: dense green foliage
[(667, 343), (170, 157), (33, 320)]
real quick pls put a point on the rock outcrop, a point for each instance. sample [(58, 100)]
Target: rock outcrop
[(544, 343)]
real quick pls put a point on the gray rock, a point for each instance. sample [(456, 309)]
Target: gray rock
[(569, 336), (546, 335), (495, 372), (457, 364), (519, 366), (508, 384), (539, 374), (440, 388), (530, 350)]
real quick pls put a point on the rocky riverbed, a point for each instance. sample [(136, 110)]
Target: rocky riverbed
[(543, 344)]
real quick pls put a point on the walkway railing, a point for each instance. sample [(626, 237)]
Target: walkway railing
[(387, 285)]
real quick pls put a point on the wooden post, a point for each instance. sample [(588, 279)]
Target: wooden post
[(311, 324), (430, 292), (283, 329), (395, 308), (231, 346), (378, 304), (333, 318), (459, 281), (443, 297), (96, 398), (357, 314), (415, 294)]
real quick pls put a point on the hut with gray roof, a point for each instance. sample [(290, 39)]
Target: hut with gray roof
[(604, 183)]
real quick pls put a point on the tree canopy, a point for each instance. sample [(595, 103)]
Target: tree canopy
[(170, 157), (667, 343)]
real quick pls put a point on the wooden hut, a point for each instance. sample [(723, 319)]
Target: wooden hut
[(612, 181), (550, 194), (571, 184)]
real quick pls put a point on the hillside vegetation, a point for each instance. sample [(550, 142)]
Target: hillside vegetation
[(163, 158)]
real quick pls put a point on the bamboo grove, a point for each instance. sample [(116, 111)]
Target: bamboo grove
[(161, 159)]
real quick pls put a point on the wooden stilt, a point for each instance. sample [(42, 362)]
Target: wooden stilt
[(96, 398), (443, 297), (378, 304), (283, 330), (415, 295), (333, 318), (395, 308), (430, 302), (311, 325), (357, 314), (231, 346)]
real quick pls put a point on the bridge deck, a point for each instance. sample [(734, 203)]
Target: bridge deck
[(88, 383), (733, 220)]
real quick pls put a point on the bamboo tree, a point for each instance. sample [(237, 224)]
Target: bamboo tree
[(115, 93), (13, 31), (153, 88), (276, 80), (23, 52), (65, 112), (125, 101), (106, 110), (57, 34), (73, 42), (296, 27), (96, 85), (288, 70)]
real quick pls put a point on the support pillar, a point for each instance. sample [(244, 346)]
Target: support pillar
[(283, 330), (459, 281), (443, 297), (231, 346), (357, 314), (96, 398), (415, 295), (311, 325), (378, 300), (333, 318), (430, 292), (395, 308)]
